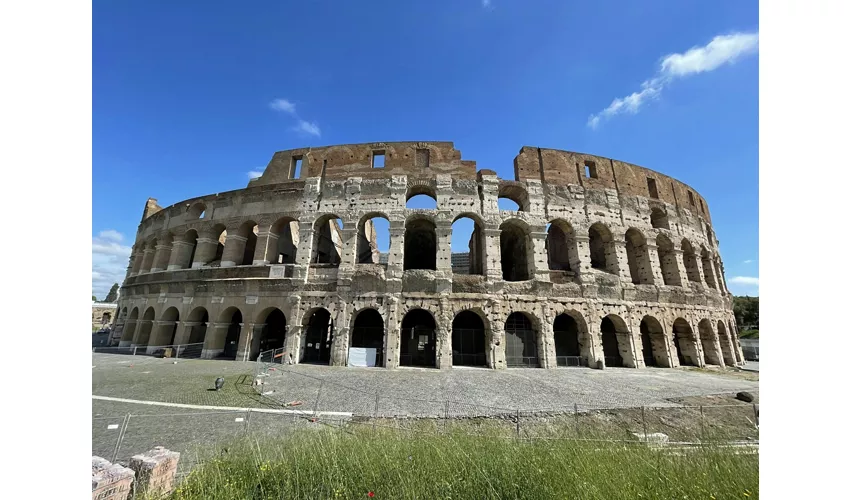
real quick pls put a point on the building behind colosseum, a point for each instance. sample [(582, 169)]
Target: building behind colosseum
[(604, 264)]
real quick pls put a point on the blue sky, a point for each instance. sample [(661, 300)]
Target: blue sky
[(182, 92)]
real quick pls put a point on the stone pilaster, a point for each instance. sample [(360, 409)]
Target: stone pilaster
[(234, 250)]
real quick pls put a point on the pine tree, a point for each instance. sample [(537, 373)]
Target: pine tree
[(112, 296)]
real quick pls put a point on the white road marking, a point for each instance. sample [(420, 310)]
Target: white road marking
[(233, 408), (238, 419), (112, 426)]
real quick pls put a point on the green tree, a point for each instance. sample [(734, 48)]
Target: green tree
[(93, 298), (746, 310), (112, 296)]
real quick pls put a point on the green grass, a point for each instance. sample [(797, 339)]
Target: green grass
[(396, 465), (749, 334)]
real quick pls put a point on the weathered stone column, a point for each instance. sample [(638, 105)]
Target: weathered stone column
[(444, 248), (342, 337), (205, 252), (655, 263), (306, 234), (621, 260), (161, 257), (266, 240), (147, 260), (721, 282), (392, 348), (628, 350), (493, 253), (581, 264), (160, 335), (136, 262), (127, 334), (539, 260), (234, 250), (395, 259), (246, 338), (292, 343), (184, 331), (496, 349), (444, 335), (214, 340), (143, 331), (180, 254), (546, 341), (115, 336)]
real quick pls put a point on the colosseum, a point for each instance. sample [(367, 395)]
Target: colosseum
[(603, 263)]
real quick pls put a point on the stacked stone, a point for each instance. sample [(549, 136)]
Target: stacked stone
[(110, 481), (155, 471)]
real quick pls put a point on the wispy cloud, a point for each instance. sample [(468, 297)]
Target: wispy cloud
[(749, 261), (722, 49), (744, 280), (109, 259), (283, 105), (253, 174), (485, 3), (309, 128), (303, 126)]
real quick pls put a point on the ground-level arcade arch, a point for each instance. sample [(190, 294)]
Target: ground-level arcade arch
[(418, 339), (685, 344), (616, 342), (144, 328), (469, 340), (367, 331), (317, 337), (272, 333), (521, 348), (197, 323), (708, 340), (572, 340), (653, 343), (130, 326), (165, 330)]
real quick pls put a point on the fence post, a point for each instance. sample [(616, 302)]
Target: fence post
[(248, 422), (446, 417), (177, 351), (701, 424), (575, 412), (134, 350), (517, 423), (318, 395), (643, 419), (756, 413), (121, 433), (375, 414)]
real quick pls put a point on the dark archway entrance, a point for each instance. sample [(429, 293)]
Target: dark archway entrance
[(468, 340), (685, 343), (231, 341), (198, 332), (273, 335), (567, 348), (368, 332), (318, 336), (610, 346), (520, 341), (418, 339)]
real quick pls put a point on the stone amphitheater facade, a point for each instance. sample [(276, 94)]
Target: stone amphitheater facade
[(605, 263)]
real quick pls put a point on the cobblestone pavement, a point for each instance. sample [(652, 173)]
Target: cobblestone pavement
[(405, 391)]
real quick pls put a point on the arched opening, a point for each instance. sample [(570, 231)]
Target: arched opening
[(561, 246), (709, 346), (513, 242), (468, 245), (373, 239), (685, 343), (568, 346), (658, 218), (418, 339), (148, 256), (638, 257), (130, 325), (143, 338), (199, 318), (613, 329), (520, 341), (691, 264), (318, 336), (667, 261), (421, 197), (420, 244), (725, 344), (653, 343), (513, 196), (283, 241), (708, 269), (468, 340), (367, 332), (734, 337), (244, 243), (273, 334), (603, 253), (196, 211), (233, 317), (166, 329), (327, 240)]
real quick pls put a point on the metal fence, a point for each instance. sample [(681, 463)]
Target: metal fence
[(177, 351)]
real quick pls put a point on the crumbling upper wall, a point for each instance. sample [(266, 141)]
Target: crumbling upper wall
[(553, 166), (415, 159)]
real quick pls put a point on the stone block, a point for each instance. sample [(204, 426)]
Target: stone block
[(155, 471), (110, 481)]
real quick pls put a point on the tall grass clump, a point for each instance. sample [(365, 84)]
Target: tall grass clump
[(388, 464)]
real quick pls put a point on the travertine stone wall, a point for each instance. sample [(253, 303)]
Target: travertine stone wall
[(630, 245)]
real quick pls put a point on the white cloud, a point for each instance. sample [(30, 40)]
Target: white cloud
[(744, 280), (253, 174), (283, 105), (485, 3), (109, 260), (749, 261), (309, 128), (722, 49)]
